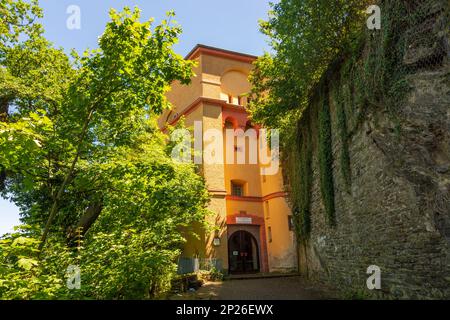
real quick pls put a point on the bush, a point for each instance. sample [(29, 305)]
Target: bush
[(23, 276)]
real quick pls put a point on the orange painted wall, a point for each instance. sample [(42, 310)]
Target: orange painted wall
[(206, 100)]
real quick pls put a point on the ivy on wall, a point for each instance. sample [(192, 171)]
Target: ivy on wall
[(298, 164), (326, 158), (304, 206), (372, 68), (344, 156)]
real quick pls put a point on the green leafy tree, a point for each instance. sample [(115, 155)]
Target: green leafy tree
[(309, 38), (305, 36), (82, 156)]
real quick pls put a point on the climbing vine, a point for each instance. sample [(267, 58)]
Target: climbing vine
[(372, 68), (305, 179), (298, 164), (326, 158), (344, 157)]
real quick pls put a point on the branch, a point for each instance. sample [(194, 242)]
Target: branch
[(54, 208), (69, 174)]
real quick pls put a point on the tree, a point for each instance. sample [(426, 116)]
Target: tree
[(81, 151), (306, 36), (26, 56)]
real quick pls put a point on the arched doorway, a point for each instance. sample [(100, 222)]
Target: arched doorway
[(243, 253)]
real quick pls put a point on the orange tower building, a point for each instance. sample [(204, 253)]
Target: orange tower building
[(253, 223)]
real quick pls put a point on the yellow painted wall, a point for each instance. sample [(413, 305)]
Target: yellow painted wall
[(181, 96), (281, 250)]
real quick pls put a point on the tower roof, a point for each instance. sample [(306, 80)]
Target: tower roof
[(218, 52)]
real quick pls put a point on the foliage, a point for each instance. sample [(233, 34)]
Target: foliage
[(319, 44), (123, 264), (80, 150), (326, 159), (306, 36), (298, 163), (211, 274), (18, 20), (126, 264), (215, 274), (22, 276), (25, 55), (344, 157), (355, 294), (117, 92)]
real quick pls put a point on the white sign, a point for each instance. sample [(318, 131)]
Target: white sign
[(243, 220)]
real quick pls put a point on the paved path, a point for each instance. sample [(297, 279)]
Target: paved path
[(280, 288)]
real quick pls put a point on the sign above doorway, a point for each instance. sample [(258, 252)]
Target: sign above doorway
[(244, 220)]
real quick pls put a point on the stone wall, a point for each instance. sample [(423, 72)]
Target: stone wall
[(396, 212)]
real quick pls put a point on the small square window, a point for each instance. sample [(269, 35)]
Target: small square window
[(237, 189)]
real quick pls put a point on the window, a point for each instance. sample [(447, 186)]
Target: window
[(240, 100), (229, 124), (230, 98), (267, 209), (269, 231), (237, 189), (291, 223)]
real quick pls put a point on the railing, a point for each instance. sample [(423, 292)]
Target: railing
[(191, 265)]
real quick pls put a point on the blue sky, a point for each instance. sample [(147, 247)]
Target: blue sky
[(230, 24)]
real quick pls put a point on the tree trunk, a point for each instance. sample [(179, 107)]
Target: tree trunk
[(86, 221), (4, 109), (54, 208), (2, 178)]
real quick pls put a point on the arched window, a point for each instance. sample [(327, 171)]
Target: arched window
[(230, 123)]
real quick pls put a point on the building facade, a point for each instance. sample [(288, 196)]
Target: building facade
[(252, 221)]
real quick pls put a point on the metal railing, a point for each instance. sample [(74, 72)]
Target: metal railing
[(191, 265)]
